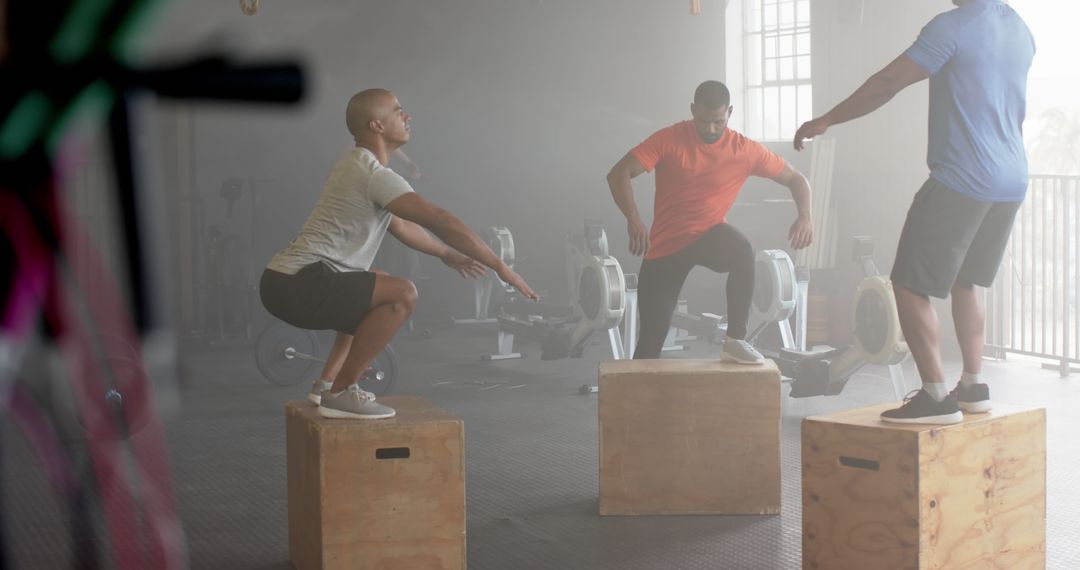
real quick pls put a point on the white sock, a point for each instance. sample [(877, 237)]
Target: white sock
[(967, 379), (938, 390)]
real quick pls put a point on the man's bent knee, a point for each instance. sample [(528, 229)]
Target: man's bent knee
[(403, 294), (407, 295), (396, 291)]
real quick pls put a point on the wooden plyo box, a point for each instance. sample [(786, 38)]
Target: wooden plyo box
[(376, 494), (970, 495), (687, 436)]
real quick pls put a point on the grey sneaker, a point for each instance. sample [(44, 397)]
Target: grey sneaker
[(317, 388), (740, 351), (315, 395), (353, 403)]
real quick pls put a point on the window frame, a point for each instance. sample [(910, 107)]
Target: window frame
[(777, 78)]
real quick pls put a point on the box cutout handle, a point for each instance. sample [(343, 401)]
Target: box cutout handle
[(392, 453), (856, 463)]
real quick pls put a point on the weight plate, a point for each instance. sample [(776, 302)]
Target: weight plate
[(275, 361), (380, 376)]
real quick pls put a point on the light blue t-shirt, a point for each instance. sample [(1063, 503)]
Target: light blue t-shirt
[(978, 57)]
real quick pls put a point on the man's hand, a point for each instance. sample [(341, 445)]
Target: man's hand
[(509, 276), (809, 130), (465, 266), (801, 233), (412, 172), (639, 236)]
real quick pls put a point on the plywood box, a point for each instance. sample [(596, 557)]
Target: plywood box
[(686, 436), (970, 495), (376, 494)]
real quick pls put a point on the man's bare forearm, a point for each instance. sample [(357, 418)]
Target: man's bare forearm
[(799, 187), (869, 97), (416, 237), (623, 193), (878, 90), (457, 235)]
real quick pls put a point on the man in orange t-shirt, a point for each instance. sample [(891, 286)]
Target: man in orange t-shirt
[(700, 167)]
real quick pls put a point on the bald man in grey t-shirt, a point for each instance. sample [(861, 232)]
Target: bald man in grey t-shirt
[(350, 219), (322, 279)]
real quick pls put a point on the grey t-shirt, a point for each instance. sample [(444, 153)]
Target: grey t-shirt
[(349, 220)]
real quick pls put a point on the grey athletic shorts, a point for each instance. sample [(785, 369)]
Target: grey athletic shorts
[(318, 297), (950, 236)]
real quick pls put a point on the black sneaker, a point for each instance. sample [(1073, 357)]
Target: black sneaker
[(921, 408), (974, 399)]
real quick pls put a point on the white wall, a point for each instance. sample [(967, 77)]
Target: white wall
[(880, 158)]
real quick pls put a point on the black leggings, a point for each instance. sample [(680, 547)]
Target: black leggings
[(723, 249)]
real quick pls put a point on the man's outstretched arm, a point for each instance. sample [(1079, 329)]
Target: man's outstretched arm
[(878, 90), (456, 234), (416, 237)]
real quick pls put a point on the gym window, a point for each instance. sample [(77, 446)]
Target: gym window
[(776, 67)]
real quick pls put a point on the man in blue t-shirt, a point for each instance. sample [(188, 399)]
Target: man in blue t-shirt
[(977, 57)]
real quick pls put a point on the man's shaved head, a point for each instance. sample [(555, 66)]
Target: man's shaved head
[(366, 106), (711, 110), (712, 95)]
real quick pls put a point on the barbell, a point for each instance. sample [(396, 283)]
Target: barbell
[(286, 355)]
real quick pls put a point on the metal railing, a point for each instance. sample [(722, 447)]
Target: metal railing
[(1033, 307)]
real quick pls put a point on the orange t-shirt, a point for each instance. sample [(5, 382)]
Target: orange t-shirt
[(696, 182)]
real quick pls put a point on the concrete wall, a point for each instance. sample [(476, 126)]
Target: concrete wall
[(520, 106)]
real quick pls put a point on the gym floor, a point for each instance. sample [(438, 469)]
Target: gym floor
[(531, 460)]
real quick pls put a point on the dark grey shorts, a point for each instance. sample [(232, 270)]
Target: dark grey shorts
[(950, 236), (318, 297)]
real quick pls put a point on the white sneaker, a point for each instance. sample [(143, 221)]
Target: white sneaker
[(740, 351), (317, 388), (352, 403)]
